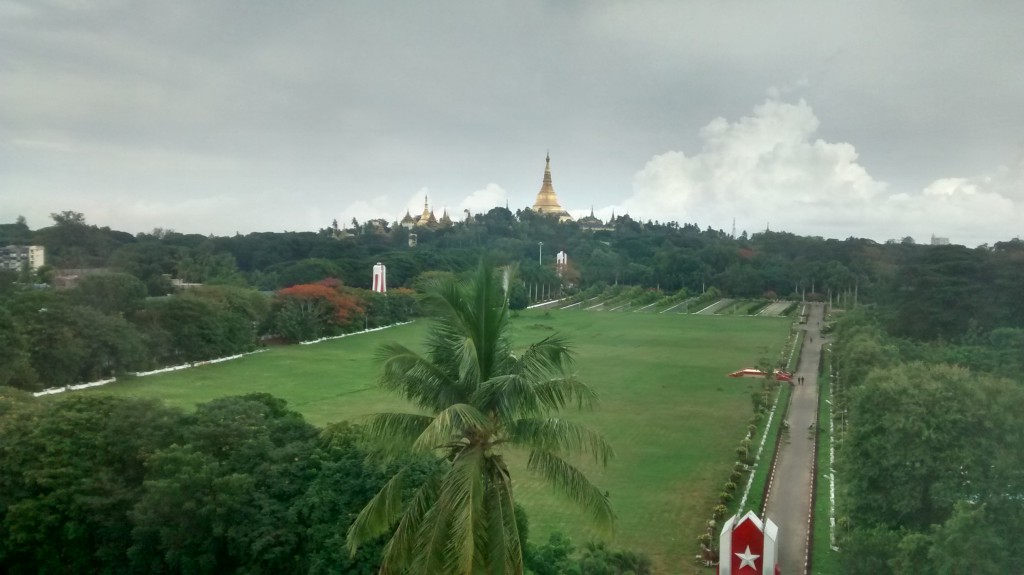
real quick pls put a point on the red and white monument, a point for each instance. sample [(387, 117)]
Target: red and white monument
[(380, 281), (748, 547)]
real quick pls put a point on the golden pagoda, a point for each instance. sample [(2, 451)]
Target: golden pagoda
[(427, 217), (547, 202)]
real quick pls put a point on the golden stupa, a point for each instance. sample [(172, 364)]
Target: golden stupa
[(547, 202)]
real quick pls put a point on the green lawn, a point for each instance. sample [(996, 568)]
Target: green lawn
[(667, 407)]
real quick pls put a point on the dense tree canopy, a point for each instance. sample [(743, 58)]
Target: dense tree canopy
[(931, 463), (97, 484)]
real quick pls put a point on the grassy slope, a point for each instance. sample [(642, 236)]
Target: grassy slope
[(667, 408)]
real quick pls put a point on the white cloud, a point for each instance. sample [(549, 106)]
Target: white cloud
[(196, 214), (768, 169), (482, 201), (383, 206)]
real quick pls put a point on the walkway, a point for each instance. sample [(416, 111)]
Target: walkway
[(789, 502)]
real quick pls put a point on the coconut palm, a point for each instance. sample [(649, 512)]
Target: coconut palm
[(481, 399)]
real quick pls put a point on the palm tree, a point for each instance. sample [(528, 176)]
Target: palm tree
[(482, 399)]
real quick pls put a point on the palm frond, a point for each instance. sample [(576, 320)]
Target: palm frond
[(468, 361), (559, 436), (574, 485), (419, 379), (557, 393), (394, 433), (503, 549), (379, 514), (518, 395), (450, 425), (463, 492), (445, 542), (398, 553), (552, 354)]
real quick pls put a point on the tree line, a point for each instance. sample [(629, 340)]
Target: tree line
[(931, 447), (107, 325), (665, 256)]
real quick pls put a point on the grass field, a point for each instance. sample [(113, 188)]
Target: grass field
[(667, 407)]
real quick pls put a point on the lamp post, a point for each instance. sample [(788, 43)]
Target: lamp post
[(540, 253)]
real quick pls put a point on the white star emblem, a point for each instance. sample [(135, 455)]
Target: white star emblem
[(747, 559)]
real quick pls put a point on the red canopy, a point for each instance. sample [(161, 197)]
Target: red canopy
[(753, 372)]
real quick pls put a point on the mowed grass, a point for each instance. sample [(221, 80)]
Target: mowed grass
[(667, 407)]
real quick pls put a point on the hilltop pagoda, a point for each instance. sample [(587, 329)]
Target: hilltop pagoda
[(427, 219), (547, 202)]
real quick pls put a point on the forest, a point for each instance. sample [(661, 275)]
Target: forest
[(928, 355)]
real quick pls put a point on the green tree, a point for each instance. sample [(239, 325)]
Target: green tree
[(482, 399), (212, 321), (15, 365), (931, 449), (70, 471), (111, 293), (307, 271)]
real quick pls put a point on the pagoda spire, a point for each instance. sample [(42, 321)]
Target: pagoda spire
[(427, 217), (547, 201)]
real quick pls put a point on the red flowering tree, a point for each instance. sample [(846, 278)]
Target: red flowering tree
[(309, 311)]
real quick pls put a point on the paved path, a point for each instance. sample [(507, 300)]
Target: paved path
[(789, 501)]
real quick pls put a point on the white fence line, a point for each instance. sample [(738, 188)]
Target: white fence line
[(831, 463), (76, 387), (544, 303), (760, 448), (710, 306), (312, 341)]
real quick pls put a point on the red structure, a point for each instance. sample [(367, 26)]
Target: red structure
[(752, 372), (748, 547)]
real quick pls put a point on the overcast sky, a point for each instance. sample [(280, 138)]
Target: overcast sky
[(868, 119)]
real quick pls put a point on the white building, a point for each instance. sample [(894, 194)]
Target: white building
[(15, 257)]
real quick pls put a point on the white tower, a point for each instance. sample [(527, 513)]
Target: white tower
[(561, 260), (380, 278)]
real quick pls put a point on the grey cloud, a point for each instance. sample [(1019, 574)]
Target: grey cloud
[(296, 110)]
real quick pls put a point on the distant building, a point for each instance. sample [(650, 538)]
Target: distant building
[(15, 257), (593, 223), (180, 284), (937, 241), (547, 201), (378, 226), (67, 278), (425, 220)]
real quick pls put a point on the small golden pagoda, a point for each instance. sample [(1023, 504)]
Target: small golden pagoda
[(547, 202), (427, 217)]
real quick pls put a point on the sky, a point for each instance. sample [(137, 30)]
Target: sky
[(873, 119)]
